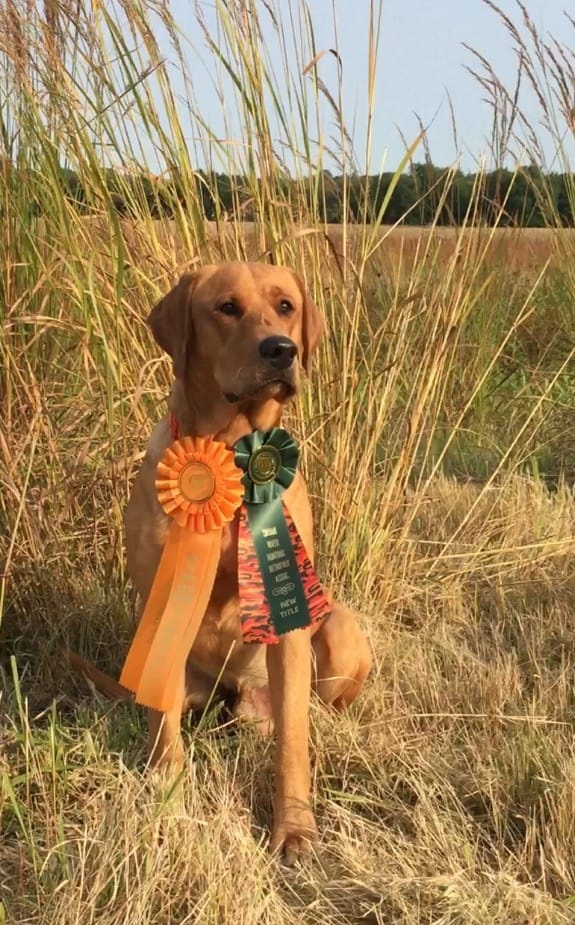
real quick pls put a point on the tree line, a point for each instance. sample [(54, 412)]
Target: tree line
[(424, 194)]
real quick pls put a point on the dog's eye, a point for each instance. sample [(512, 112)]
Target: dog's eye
[(230, 308), (285, 307)]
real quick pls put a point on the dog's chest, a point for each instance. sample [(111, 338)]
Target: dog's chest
[(220, 629), (226, 582)]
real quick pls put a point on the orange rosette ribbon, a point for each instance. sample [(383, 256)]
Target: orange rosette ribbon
[(200, 487)]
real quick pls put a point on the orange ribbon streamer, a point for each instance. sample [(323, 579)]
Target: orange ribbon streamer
[(200, 486)]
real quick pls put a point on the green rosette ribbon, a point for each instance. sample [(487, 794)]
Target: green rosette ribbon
[(278, 588), (269, 460)]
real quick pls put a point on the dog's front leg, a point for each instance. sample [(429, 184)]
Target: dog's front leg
[(289, 671), (165, 745)]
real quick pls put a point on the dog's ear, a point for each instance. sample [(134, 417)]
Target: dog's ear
[(313, 326), (171, 322)]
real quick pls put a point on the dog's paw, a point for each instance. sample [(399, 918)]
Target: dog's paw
[(167, 760), (294, 835), (253, 706)]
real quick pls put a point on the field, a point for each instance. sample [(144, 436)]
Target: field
[(516, 249), (439, 445)]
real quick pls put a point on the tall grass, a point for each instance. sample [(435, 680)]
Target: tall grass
[(446, 380)]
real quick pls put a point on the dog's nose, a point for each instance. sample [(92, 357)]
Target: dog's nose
[(279, 351)]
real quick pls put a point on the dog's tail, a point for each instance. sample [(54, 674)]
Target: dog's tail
[(101, 681)]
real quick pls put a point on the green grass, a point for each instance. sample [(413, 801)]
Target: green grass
[(439, 410)]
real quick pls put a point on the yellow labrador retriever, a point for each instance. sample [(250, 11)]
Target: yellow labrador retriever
[(239, 335)]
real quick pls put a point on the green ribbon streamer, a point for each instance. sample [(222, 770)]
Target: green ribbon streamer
[(278, 566), (269, 460)]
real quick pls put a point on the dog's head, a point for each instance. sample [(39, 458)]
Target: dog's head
[(248, 326)]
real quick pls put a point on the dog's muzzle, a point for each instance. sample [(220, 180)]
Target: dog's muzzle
[(276, 370)]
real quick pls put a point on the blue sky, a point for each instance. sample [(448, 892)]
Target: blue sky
[(421, 61)]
